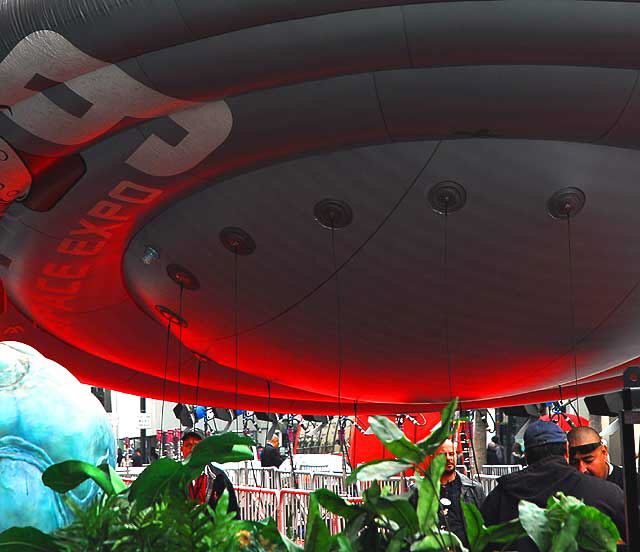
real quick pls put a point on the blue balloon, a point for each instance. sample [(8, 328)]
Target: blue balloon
[(46, 417), (200, 412)]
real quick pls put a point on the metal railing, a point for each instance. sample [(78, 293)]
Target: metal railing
[(289, 507), (500, 469), (488, 482), (256, 503)]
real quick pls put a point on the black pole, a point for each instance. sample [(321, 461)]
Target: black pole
[(290, 451), (143, 432), (627, 419)]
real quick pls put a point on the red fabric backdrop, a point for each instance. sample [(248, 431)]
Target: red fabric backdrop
[(367, 447)]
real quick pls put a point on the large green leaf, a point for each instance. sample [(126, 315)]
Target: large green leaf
[(163, 476), (565, 540), (429, 494), (395, 440), (289, 545), (335, 504), (373, 492), (342, 543), (354, 526), (398, 542), (440, 542), (399, 510), (27, 539), (118, 485), (534, 522), (67, 475), (440, 432), (597, 532), (317, 536), (377, 469), (228, 447), (477, 533), (506, 532)]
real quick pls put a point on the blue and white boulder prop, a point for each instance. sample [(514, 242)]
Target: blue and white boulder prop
[(46, 417)]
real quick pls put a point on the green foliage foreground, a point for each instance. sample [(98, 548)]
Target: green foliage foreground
[(155, 514)]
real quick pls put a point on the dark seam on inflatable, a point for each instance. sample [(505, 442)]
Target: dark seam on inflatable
[(39, 231), (182, 18), (406, 36), (622, 111), (60, 20), (384, 119), (325, 14), (385, 219)]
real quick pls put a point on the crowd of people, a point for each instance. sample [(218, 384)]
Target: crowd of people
[(576, 464)]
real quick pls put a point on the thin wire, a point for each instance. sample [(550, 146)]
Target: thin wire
[(235, 327), (268, 409), (445, 277), (198, 381), (164, 386), (352, 434), (181, 323), (338, 318), (573, 315)]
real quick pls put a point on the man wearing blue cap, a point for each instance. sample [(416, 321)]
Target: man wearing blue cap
[(548, 472)]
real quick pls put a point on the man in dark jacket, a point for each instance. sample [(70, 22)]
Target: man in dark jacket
[(271, 456), (455, 489), (212, 482), (548, 473)]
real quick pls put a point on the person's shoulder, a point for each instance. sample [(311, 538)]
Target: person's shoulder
[(597, 488), (467, 481)]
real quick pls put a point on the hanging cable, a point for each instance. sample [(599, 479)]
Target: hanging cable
[(235, 328), (181, 324), (164, 386), (573, 314), (338, 317), (445, 276), (198, 379), (355, 423), (268, 409)]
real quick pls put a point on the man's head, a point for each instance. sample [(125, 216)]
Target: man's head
[(543, 440), (447, 448), (275, 441), (587, 453), (138, 452), (190, 439)]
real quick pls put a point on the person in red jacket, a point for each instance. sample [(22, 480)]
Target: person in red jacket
[(209, 486)]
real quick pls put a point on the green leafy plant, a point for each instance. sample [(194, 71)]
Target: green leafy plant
[(390, 522), (568, 524), (155, 513)]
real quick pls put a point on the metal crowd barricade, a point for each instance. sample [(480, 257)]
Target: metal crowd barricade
[(488, 482), (500, 469), (395, 485), (269, 478), (304, 479), (256, 503), (293, 510), (335, 482)]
